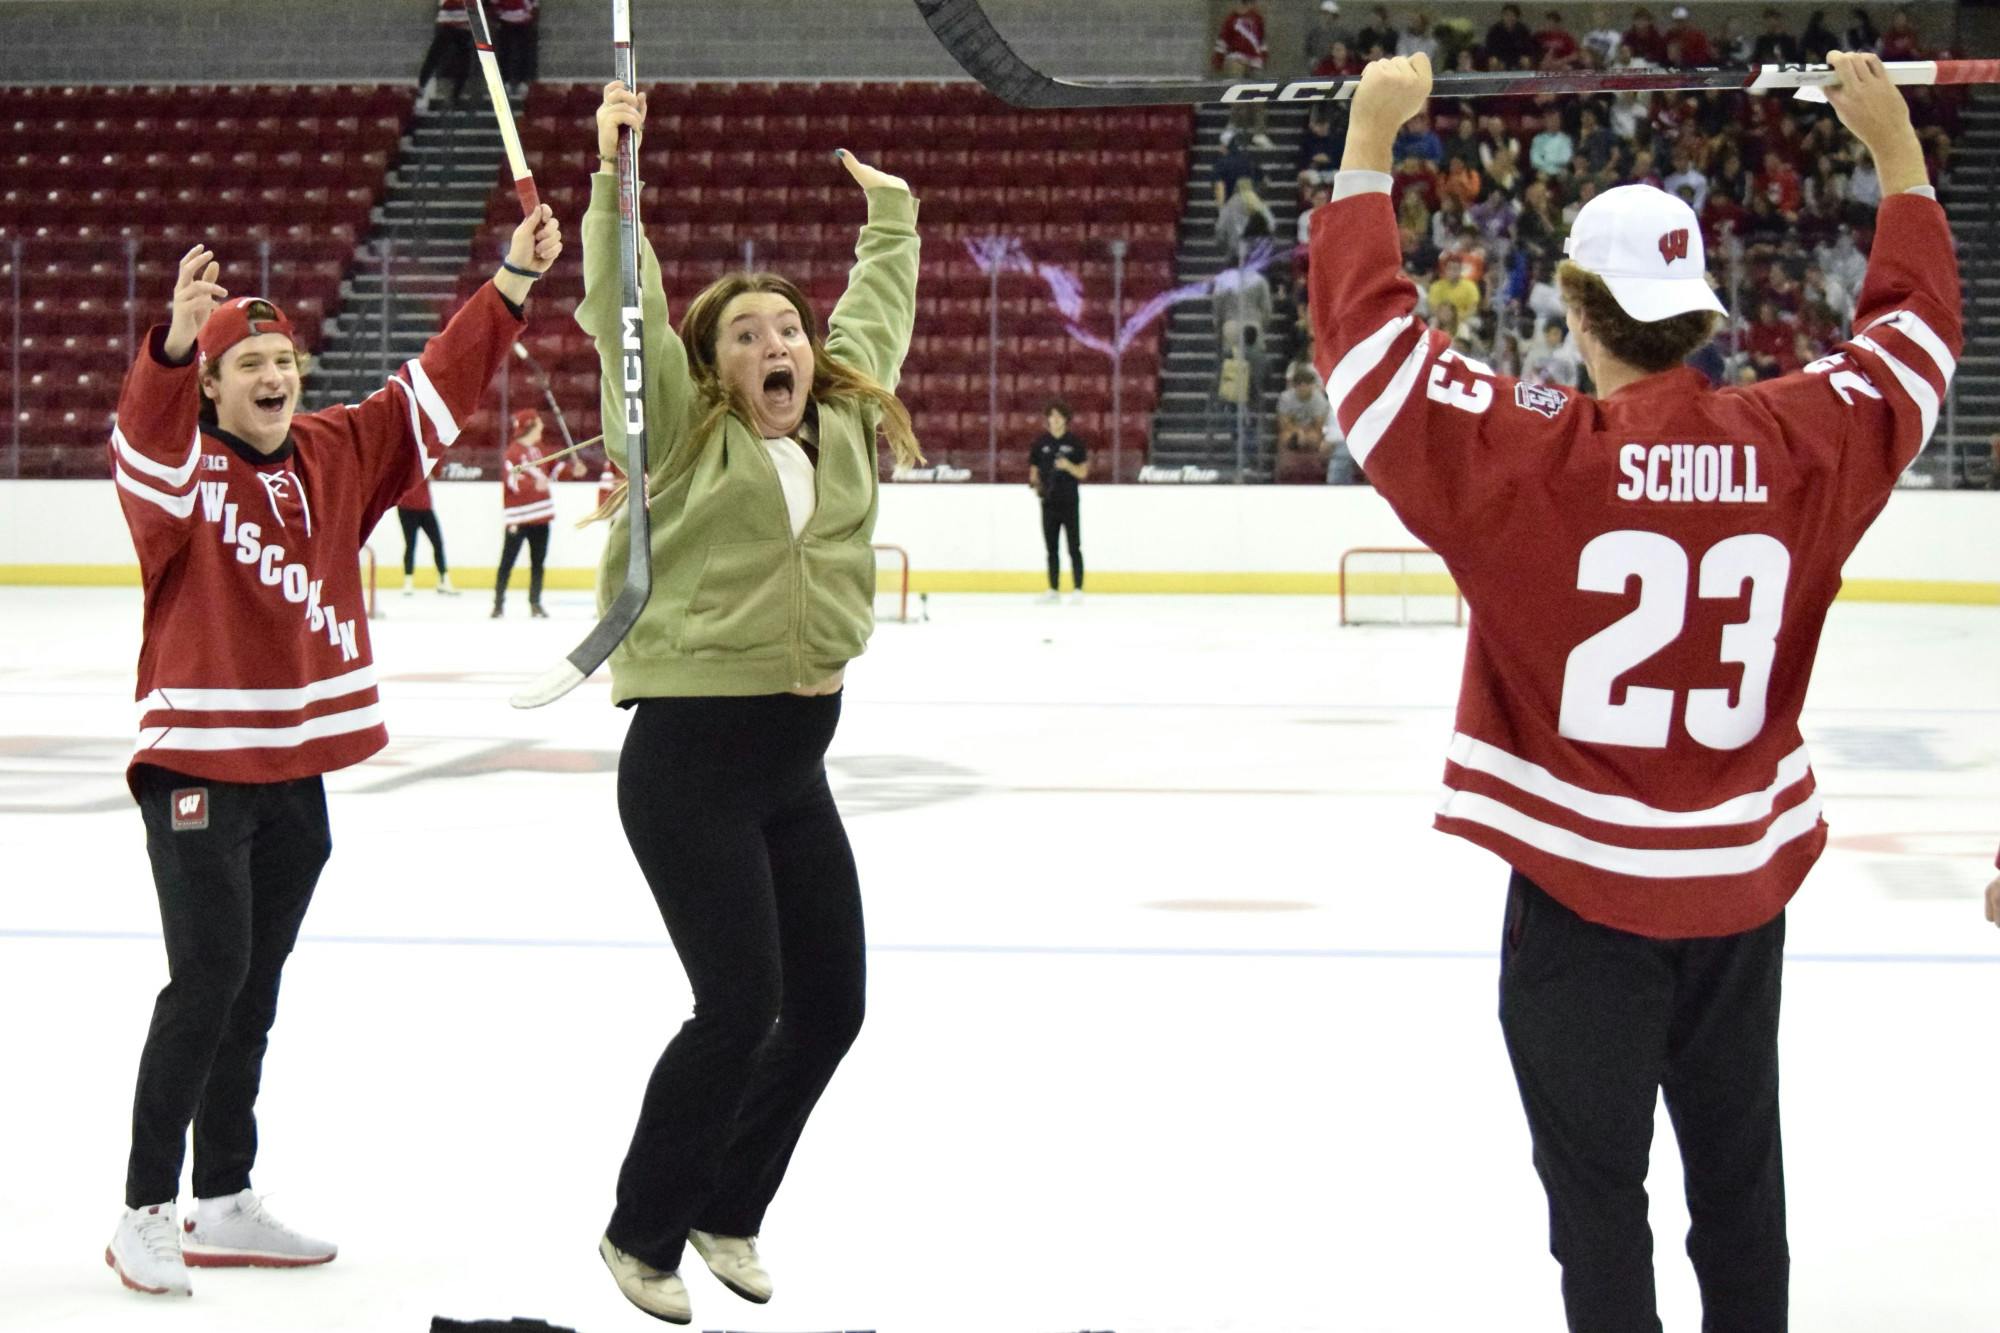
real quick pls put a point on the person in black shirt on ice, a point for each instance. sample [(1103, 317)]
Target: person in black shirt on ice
[(1058, 461)]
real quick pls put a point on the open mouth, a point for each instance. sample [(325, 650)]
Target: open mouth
[(271, 404), (779, 387)]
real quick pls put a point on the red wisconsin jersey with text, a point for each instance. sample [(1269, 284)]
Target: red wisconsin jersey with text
[(528, 495), (1647, 574), (255, 665)]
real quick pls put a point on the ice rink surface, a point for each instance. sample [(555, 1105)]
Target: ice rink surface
[(1181, 1018)]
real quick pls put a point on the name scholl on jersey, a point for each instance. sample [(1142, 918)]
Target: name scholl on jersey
[(292, 579), (1691, 474)]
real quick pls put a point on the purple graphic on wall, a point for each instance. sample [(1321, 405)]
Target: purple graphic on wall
[(1006, 254)]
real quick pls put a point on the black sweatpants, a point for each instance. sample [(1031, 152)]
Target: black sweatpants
[(536, 535), (516, 47), (234, 865), (425, 521), (450, 58), (1598, 1023), (726, 805), (1058, 516)]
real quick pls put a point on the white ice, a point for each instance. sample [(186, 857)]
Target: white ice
[(1181, 1017)]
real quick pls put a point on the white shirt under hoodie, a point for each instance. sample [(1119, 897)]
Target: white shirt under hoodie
[(795, 474)]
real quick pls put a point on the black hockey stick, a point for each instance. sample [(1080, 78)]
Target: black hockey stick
[(624, 611), (548, 396), (966, 32)]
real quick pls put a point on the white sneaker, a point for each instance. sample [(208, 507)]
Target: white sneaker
[(1076, 598), (444, 586), (734, 1261), (1050, 598), (409, 585), (145, 1252), (236, 1232), (661, 1295), (1262, 140)]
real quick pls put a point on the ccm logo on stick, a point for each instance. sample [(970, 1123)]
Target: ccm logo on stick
[(1299, 90), (635, 407)]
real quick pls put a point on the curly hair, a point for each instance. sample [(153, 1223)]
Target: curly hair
[(1648, 345)]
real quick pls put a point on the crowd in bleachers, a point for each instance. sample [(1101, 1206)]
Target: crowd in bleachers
[(1485, 191)]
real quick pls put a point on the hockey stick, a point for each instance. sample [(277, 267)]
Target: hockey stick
[(966, 32), (624, 610), (549, 397), (503, 111)]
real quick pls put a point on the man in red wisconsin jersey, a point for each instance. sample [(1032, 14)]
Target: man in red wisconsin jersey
[(254, 679), (1648, 571), (528, 507)]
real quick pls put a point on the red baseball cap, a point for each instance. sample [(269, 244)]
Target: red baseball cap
[(230, 323), (525, 419)]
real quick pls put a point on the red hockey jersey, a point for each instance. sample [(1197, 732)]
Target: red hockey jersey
[(1647, 574), (417, 497), (255, 665), (528, 496)]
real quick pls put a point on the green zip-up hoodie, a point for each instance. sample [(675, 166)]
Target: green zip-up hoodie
[(739, 606)]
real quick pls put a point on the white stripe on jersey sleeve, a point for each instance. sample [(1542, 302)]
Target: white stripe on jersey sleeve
[(1537, 781), (1911, 325), (425, 459), (433, 403), (197, 700), (180, 506), (1915, 385), (175, 477), (260, 738), (1374, 423), (1361, 358), (1639, 862)]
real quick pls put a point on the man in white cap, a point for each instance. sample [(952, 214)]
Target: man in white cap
[(1325, 31), (1648, 570)]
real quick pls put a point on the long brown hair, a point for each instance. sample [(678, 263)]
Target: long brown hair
[(1648, 345), (833, 381)]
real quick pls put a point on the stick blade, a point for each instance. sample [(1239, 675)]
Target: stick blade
[(550, 686)]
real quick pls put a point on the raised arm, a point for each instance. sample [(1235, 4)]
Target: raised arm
[(872, 323), (156, 443), (669, 395)]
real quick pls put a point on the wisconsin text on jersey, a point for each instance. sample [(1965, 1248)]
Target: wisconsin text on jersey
[(290, 579)]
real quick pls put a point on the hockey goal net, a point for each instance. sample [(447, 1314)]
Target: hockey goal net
[(892, 583), (1397, 585)]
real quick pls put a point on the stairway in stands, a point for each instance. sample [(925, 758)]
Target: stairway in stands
[(1190, 428), (1959, 454), (435, 201)]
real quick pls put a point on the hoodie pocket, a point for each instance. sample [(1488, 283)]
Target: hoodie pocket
[(741, 604), (840, 598)]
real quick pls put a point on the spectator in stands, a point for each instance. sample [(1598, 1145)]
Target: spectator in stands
[(1732, 47), (1503, 172), (450, 53), (416, 515), (1418, 38), (516, 43), (1419, 140), (1539, 230), (1601, 44), (1770, 340), (1545, 301), (1235, 219), (1340, 59), (1240, 52), (1822, 290), (1861, 34), (1900, 40), (1864, 186), (1463, 181), (1774, 45), (1057, 461), (1551, 358), (1467, 252), (1845, 268), (1644, 38), (1510, 42), (1302, 412), (1688, 181), (1695, 52), (1463, 144), (1379, 36), (1326, 29), (1595, 143), (1779, 182), (1463, 333), (1319, 146), (1452, 288), (1558, 43), (1818, 39), (1235, 166), (1552, 149), (1241, 305)]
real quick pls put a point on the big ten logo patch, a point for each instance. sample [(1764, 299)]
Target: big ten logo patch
[(1540, 398), (1674, 245), (190, 808)]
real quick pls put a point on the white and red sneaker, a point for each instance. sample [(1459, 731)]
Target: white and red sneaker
[(145, 1252), (238, 1232)]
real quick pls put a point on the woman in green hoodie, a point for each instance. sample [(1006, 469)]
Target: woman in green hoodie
[(762, 493)]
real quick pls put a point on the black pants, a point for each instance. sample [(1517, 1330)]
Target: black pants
[(450, 58), (1060, 515), (515, 48), (536, 535), (232, 895), (726, 805), (425, 521), (1598, 1023)]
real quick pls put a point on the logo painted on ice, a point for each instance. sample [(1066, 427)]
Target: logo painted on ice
[(190, 809), (1540, 398)]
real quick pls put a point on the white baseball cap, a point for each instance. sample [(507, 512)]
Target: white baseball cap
[(1329, 6), (1646, 245)]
